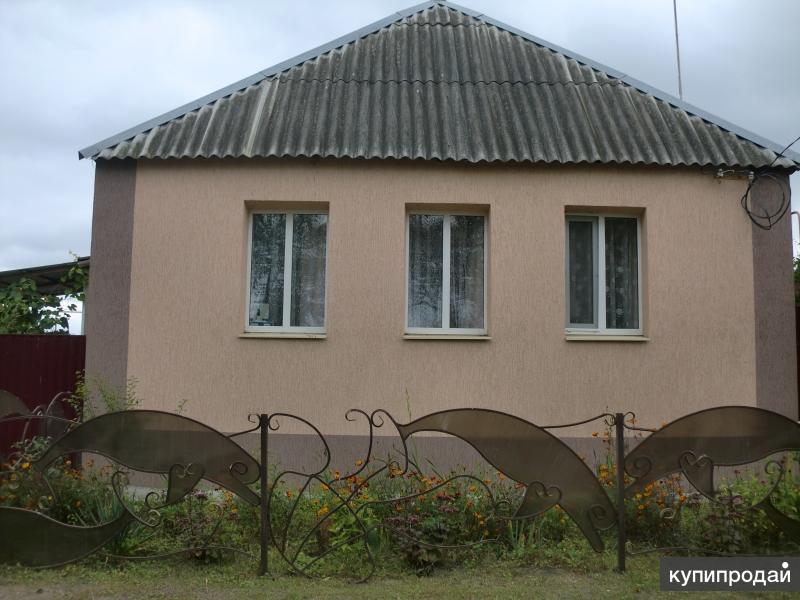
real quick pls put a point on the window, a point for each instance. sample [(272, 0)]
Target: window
[(603, 250), (287, 272), (446, 273)]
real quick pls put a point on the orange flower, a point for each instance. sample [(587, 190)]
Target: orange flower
[(289, 493), (323, 511), (359, 462)]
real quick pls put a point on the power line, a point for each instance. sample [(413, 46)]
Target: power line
[(766, 220)]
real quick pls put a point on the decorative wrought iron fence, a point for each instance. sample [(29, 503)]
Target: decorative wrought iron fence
[(547, 472)]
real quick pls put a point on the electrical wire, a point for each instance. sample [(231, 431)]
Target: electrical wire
[(767, 220)]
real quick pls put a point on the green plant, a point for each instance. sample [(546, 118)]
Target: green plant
[(24, 309), (796, 269), (94, 395)]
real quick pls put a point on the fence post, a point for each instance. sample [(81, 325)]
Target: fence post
[(263, 422), (619, 424)]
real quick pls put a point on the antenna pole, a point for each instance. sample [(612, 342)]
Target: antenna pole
[(677, 47)]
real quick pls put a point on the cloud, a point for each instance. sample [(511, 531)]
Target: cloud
[(77, 72)]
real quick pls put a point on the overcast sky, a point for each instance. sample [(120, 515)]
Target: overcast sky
[(76, 71)]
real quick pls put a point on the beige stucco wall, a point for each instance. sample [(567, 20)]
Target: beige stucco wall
[(187, 296)]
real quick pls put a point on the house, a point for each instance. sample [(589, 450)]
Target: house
[(435, 211)]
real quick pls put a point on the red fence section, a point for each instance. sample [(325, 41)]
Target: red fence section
[(37, 367)]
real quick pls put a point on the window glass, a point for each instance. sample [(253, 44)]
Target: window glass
[(308, 270), (603, 273), (425, 270), (287, 271), (266, 270), (466, 272), (581, 272), (622, 273)]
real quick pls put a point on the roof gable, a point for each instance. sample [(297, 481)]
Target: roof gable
[(439, 81)]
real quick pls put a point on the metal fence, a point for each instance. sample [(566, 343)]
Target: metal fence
[(36, 368), (546, 470)]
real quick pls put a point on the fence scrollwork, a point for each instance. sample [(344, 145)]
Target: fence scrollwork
[(548, 472)]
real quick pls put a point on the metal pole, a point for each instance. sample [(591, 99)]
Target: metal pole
[(677, 47), (263, 422), (619, 423)]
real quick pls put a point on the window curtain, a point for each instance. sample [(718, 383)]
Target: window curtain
[(308, 270), (266, 269), (622, 273), (466, 272), (425, 241)]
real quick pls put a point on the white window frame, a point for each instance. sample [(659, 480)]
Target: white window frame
[(598, 228), (446, 329), (287, 272)]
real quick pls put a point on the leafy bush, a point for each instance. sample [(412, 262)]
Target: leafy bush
[(24, 309)]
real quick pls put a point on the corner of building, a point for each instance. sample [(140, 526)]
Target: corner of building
[(108, 295), (773, 288)]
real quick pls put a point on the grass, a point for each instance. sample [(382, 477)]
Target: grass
[(168, 579)]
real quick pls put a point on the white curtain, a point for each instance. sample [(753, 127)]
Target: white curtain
[(425, 270), (308, 270), (466, 272), (622, 274), (266, 269)]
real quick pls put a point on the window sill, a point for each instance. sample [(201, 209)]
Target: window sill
[(583, 337), (286, 336), (452, 336)]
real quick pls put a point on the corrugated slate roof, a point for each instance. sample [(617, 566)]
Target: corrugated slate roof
[(439, 81)]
